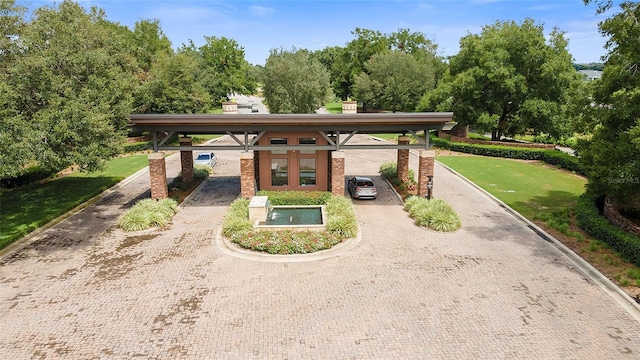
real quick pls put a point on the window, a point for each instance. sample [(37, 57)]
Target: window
[(279, 172), (307, 172), (307, 141), (278, 141)]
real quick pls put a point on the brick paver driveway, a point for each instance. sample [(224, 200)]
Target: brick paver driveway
[(493, 290)]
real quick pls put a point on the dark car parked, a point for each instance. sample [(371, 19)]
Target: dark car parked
[(362, 187)]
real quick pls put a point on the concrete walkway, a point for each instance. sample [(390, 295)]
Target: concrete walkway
[(493, 290)]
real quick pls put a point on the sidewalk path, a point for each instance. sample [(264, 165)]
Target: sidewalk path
[(492, 290)]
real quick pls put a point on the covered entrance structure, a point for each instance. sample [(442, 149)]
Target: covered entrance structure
[(290, 151)]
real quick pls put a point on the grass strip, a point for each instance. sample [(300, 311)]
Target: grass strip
[(26, 208), (530, 188)]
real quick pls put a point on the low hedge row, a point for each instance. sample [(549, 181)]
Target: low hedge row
[(597, 226), (296, 197), (31, 175), (138, 146), (553, 157)]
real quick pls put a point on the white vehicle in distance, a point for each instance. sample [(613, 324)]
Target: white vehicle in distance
[(207, 158)]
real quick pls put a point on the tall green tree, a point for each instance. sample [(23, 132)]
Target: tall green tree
[(612, 156), (225, 59), (394, 81), (333, 60), (150, 43), (173, 87), (349, 63), (294, 82), (69, 89), (507, 79), (14, 136)]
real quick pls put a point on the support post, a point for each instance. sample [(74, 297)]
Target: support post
[(403, 159), (247, 175), (186, 160), (158, 176), (337, 173)]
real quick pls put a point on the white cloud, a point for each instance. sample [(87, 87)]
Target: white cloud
[(261, 10)]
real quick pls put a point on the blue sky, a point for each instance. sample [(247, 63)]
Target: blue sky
[(259, 26)]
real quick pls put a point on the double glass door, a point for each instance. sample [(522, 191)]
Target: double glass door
[(293, 169)]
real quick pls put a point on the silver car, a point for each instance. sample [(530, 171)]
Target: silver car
[(207, 158), (361, 187)]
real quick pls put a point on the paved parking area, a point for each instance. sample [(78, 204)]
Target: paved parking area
[(493, 290)]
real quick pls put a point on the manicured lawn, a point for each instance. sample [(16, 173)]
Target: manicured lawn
[(528, 187), (333, 108), (26, 208)]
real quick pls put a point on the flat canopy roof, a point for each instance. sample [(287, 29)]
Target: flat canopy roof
[(239, 123), (258, 124)]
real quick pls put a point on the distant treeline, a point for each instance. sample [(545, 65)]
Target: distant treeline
[(589, 66)]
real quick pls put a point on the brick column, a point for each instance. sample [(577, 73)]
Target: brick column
[(158, 176), (186, 159), (425, 169), (247, 175), (403, 159), (337, 173)]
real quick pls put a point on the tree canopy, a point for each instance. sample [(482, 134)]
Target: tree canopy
[(225, 58), (67, 91), (507, 79), (346, 63), (394, 81), (294, 82), (611, 156), (69, 78)]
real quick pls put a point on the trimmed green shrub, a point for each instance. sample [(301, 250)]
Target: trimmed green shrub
[(30, 175), (563, 160), (597, 226), (200, 172), (389, 170), (286, 241), (292, 197), (148, 213), (138, 146), (553, 157)]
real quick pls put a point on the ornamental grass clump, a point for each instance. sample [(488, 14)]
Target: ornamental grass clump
[(342, 219), (237, 219), (148, 213), (435, 214)]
